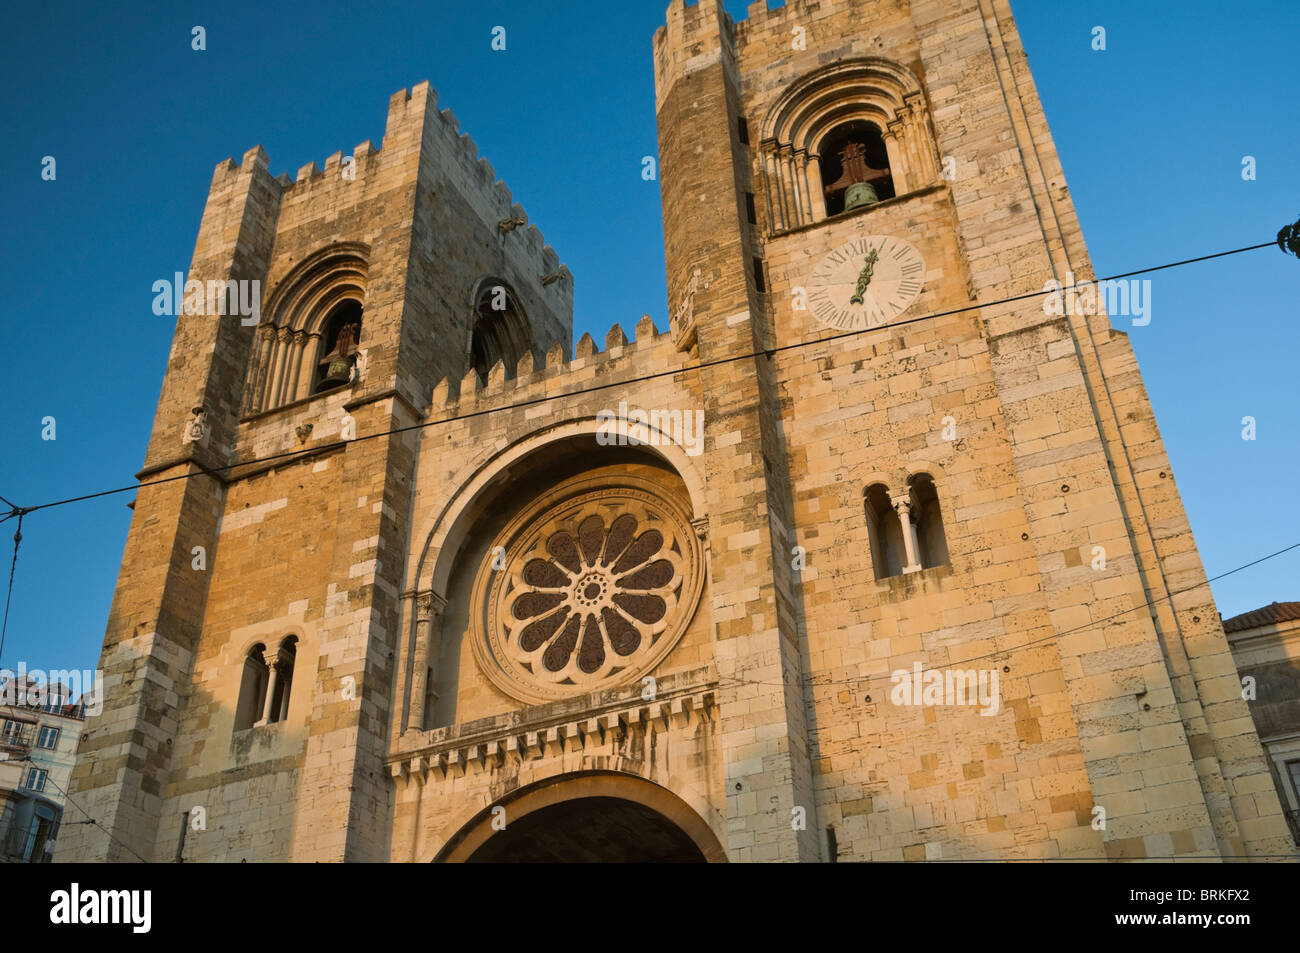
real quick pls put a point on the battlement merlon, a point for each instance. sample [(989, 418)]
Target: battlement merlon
[(243, 198), (419, 134), (695, 33), (408, 111), (228, 172), (760, 18), (649, 350)]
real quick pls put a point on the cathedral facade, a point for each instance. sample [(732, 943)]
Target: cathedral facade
[(855, 560)]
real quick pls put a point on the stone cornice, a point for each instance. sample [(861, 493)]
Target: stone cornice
[(587, 721), (181, 461)]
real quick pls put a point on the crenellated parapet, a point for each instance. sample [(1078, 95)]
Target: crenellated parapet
[(409, 115), (761, 22), (649, 351), (427, 179)]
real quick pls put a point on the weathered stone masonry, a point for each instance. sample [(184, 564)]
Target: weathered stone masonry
[(771, 689)]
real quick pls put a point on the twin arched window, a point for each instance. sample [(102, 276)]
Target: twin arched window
[(905, 530), (265, 685)]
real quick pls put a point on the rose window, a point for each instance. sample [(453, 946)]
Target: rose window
[(592, 593)]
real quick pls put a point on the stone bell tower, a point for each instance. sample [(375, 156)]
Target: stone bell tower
[(917, 585), (248, 653), (849, 188)]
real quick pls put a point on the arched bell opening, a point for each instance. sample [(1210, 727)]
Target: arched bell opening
[(854, 167), (338, 354), (500, 332)]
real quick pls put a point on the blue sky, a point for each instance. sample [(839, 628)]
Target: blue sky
[(1152, 133)]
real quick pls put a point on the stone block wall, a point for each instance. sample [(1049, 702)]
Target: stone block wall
[(1072, 576)]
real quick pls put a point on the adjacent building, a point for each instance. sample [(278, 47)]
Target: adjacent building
[(1265, 644), (40, 728)]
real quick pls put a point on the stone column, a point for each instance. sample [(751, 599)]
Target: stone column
[(769, 185), (265, 389), (903, 505), (295, 365), (800, 184), (900, 159), (271, 682), (816, 194), (307, 369), (772, 162), (788, 219), (257, 397), (429, 606), (917, 132), (287, 677), (789, 185), (275, 387)]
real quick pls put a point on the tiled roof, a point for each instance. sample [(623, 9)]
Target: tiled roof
[(1268, 615)]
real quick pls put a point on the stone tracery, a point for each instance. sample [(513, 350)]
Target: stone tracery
[(597, 588)]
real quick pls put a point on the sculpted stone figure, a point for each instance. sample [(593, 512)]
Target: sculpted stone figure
[(196, 431)]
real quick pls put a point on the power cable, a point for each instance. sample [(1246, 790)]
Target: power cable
[(766, 352), (1002, 653), (89, 820)]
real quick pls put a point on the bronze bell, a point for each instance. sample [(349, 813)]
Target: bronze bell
[(856, 177), (859, 194), (338, 372), (338, 362)]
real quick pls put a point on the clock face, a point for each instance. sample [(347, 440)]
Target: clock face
[(865, 283)]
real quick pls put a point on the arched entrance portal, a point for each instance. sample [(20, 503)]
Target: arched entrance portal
[(600, 817), (590, 830)]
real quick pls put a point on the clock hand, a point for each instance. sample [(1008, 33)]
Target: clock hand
[(864, 278)]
